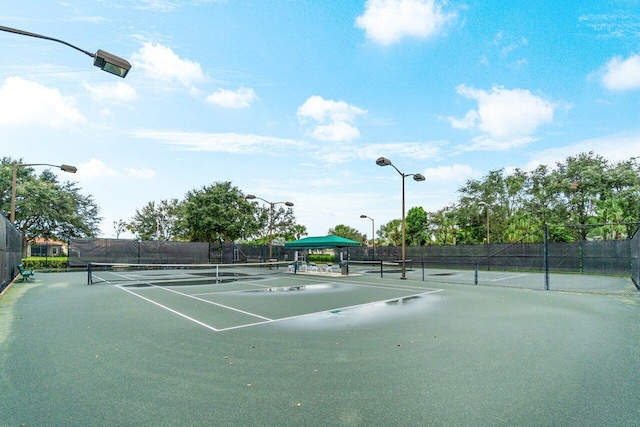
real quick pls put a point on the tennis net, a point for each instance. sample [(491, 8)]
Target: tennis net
[(375, 267), (180, 274)]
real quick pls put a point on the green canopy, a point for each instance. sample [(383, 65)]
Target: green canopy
[(322, 242)]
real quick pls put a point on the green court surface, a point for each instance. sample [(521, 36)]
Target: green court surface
[(303, 350)]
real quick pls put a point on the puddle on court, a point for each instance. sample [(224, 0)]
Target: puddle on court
[(374, 312), (316, 287)]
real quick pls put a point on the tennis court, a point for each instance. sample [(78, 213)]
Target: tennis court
[(306, 349), (251, 294)]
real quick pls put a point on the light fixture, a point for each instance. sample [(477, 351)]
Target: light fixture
[(104, 60)]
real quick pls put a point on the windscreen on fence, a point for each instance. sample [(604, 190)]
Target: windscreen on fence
[(83, 251), (10, 251)]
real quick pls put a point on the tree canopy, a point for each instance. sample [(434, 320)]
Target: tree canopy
[(46, 207)]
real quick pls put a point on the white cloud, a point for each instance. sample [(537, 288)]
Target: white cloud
[(23, 102), (333, 118), (488, 143), (144, 173), (622, 74), (508, 117), (241, 98), (93, 169), (453, 173), (221, 142), (408, 150), (469, 121), (615, 148), (119, 91), (388, 21), (96, 169), (161, 63)]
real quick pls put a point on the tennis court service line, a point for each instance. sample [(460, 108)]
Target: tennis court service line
[(509, 277), (212, 303), (170, 309)]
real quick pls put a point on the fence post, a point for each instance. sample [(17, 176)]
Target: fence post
[(546, 257)]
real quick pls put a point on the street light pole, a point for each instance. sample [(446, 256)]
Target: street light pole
[(383, 161), (271, 211), (486, 208), (373, 237), (65, 168), (104, 60)]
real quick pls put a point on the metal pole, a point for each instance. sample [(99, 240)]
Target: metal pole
[(487, 208), (546, 257), (373, 239), (403, 231), (271, 231), (13, 193)]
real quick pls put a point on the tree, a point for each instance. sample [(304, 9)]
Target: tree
[(218, 212), (348, 233), (299, 231), (279, 222), (443, 226), (391, 233), (583, 187), (46, 207), (157, 221), (119, 227), (416, 223)]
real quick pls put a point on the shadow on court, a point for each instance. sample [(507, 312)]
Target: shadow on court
[(354, 351)]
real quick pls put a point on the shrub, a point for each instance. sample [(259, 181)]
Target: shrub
[(42, 263), (322, 258)]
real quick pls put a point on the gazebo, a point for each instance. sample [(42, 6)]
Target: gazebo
[(321, 242)]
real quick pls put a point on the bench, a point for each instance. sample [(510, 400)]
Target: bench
[(25, 273)]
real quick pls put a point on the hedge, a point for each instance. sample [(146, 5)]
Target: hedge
[(42, 263)]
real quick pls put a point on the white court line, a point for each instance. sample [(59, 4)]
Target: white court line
[(170, 309), (213, 303), (509, 277)]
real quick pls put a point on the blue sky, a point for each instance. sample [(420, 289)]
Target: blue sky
[(294, 100)]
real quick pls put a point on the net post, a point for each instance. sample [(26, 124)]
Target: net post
[(89, 276), (475, 273), (381, 269)]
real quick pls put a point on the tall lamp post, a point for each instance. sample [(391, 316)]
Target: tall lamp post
[(373, 237), (271, 205), (383, 161), (16, 165), (101, 59), (486, 209)]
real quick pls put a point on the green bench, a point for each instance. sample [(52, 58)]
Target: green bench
[(25, 273)]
